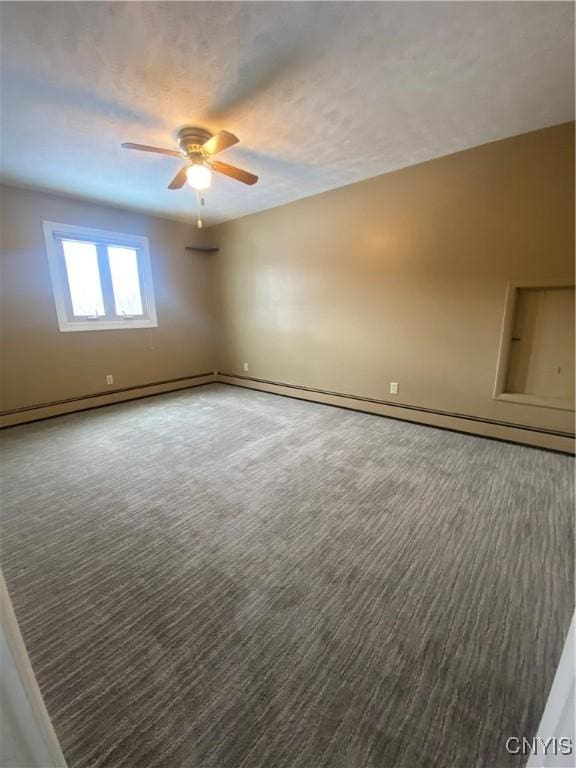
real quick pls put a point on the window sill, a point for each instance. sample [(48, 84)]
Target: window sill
[(108, 325), (539, 402)]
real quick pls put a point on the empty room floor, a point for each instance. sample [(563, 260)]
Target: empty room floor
[(221, 578)]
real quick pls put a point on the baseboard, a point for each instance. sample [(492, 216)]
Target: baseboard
[(34, 740), (40, 411), (516, 433), (537, 437)]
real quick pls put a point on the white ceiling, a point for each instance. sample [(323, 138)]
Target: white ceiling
[(320, 94)]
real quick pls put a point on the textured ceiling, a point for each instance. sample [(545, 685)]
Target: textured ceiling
[(320, 94)]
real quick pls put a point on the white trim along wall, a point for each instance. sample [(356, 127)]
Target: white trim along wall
[(28, 738), (558, 719)]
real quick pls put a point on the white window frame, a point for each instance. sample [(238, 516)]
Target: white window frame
[(54, 233)]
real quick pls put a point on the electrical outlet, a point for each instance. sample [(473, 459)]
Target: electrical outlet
[(109, 379), (245, 366), (393, 387)]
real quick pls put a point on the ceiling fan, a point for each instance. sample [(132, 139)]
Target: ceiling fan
[(198, 146)]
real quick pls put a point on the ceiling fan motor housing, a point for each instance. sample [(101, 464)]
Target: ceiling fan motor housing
[(191, 139)]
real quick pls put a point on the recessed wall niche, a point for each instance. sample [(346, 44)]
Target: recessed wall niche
[(536, 361)]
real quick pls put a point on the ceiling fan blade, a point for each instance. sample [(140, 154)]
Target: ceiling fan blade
[(218, 142), (157, 150), (235, 173), (180, 179)]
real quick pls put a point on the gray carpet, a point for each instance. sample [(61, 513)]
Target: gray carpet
[(222, 578)]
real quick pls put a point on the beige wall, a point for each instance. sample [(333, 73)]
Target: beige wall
[(399, 278), (402, 277), (39, 363)]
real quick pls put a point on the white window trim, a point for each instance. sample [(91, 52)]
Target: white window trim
[(53, 231)]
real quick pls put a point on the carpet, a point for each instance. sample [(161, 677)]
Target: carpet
[(222, 578)]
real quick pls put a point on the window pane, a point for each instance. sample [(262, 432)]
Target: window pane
[(83, 278), (125, 282)]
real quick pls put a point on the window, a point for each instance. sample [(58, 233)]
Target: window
[(101, 280), (536, 365)]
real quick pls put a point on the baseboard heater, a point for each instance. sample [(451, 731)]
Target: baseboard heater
[(178, 384), (403, 406), (108, 393)]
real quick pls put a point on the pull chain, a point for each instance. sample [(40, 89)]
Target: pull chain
[(200, 203)]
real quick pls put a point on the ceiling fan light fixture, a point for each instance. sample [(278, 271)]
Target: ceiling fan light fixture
[(199, 176), (197, 147)]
